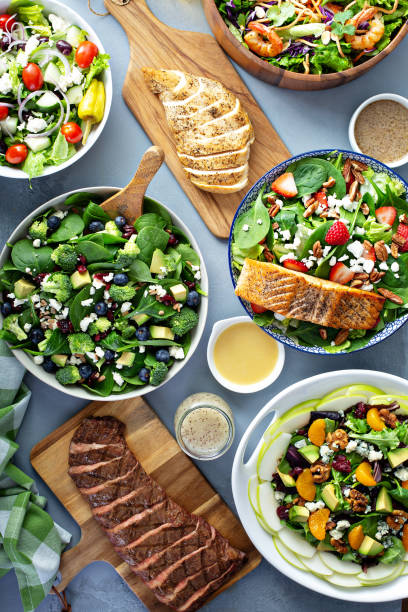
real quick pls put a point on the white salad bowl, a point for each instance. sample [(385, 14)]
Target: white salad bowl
[(76, 391), (63, 10), (297, 559)]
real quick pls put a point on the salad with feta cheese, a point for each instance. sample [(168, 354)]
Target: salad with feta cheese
[(99, 302), (51, 92), (336, 218), (332, 485)]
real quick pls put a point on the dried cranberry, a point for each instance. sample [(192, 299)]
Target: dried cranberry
[(190, 284), (172, 240), (114, 306), (99, 275), (97, 338), (82, 259), (81, 268), (128, 231), (360, 411), (302, 432), (108, 286), (40, 277), (342, 464), (282, 512), (296, 472), (65, 326), (168, 300), (104, 335), (109, 315)]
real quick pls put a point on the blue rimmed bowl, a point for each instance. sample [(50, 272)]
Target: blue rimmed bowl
[(251, 196)]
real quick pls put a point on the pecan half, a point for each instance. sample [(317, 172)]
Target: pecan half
[(269, 256), (323, 333), (395, 299), (381, 250), (309, 201), (333, 214), (273, 210), (367, 245), (358, 501), (353, 190), (341, 337), (357, 175), (347, 170), (311, 209), (398, 239), (275, 226), (356, 283), (339, 545), (389, 418), (329, 183), (317, 249), (271, 199), (397, 519), (330, 525), (376, 276), (394, 250), (337, 439), (365, 208), (360, 165), (361, 276), (320, 471)]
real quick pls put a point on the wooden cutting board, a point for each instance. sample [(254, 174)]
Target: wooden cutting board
[(157, 45), (160, 455)]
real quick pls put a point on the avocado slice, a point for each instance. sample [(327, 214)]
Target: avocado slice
[(158, 332), (370, 547), (126, 359), (59, 360), (140, 318), (79, 280), (329, 497), (310, 452), (384, 502), (158, 261), (23, 288), (299, 514), (179, 292), (398, 456), (287, 479)]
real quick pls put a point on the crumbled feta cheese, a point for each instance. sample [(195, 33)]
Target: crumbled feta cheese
[(344, 257), (86, 321), (260, 12), (351, 446), (177, 352), (36, 125), (343, 525), (21, 126), (367, 510), (279, 495), (18, 302), (60, 214), (126, 307), (28, 270), (5, 84), (27, 327), (58, 23), (38, 359), (396, 275), (326, 251), (99, 351), (402, 473), (346, 492), (73, 78), (97, 283), (119, 366), (118, 379), (394, 266), (325, 453), (383, 266), (367, 287), (106, 295), (87, 302), (92, 291), (356, 248), (36, 243), (368, 266), (362, 448), (374, 455), (74, 360), (108, 277), (142, 349), (35, 298), (279, 317), (382, 530), (55, 304), (313, 506), (287, 256), (300, 443), (91, 355), (359, 230), (245, 227), (285, 235), (259, 221), (157, 290), (336, 534), (197, 275)]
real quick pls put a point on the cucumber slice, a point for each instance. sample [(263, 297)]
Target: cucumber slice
[(48, 102), (37, 144), (9, 125), (51, 74), (75, 95), (74, 36)]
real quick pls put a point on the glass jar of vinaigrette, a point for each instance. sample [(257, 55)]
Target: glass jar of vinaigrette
[(204, 426)]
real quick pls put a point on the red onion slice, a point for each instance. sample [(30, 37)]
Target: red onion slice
[(67, 103), (18, 32), (7, 22), (30, 96), (19, 90), (7, 104)]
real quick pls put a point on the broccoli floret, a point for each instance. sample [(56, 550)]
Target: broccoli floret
[(122, 294), (113, 229), (100, 326), (59, 285), (68, 375), (80, 343), (38, 229), (11, 324), (125, 329), (183, 321), (129, 252), (158, 373), (65, 256)]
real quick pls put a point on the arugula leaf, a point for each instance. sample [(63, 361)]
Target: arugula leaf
[(385, 439)]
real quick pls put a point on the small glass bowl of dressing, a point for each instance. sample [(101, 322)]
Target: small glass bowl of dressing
[(242, 357), (379, 128)]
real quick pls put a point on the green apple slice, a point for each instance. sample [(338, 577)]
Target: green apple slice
[(387, 399), (264, 525), (268, 505), (380, 573), (287, 554), (252, 490), (367, 390), (268, 460), (344, 580), (296, 543), (316, 566), (337, 565), (340, 403), (302, 408)]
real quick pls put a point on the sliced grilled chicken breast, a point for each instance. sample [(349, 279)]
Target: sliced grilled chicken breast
[(211, 130)]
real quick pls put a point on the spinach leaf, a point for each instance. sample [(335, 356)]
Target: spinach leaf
[(317, 234), (113, 341), (309, 177), (140, 272), (76, 311), (258, 221), (182, 237), (93, 252), (152, 219), (104, 388), (149, 305), (186, 343), (152, 206), (188, 254), (78, 199), (155, 342), (328, 168), (395, 553), (149, 239), (24, 255), (400, 494), (286, 218), (71, 225), (57, 344), (29, 315)]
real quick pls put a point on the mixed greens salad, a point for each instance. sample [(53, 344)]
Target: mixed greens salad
[(314, 36), (336, 218), (340, 482), (50, 89), (101, 303)]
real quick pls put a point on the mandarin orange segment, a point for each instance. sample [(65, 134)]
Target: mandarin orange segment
[(374, 420), (305, 485), (364, 475), (405, 536), (405, 484), (317, 432), (317, 523), (356, 537)]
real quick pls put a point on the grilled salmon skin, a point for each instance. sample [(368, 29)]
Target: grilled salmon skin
[(212, 131), (301, 296)]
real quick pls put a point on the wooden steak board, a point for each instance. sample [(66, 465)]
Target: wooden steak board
[(157, 45), (160, 455)]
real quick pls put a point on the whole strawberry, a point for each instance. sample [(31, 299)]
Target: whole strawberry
[(337, 234)]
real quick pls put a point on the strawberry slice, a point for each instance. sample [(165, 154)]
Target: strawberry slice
[(337, 234), (341, 274), (257, 309), (386, 214), (403, 231), (294, 264), (285, 185), (369, 254), (321, 198)]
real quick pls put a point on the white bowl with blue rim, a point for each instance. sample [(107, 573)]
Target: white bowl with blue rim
[(246, 203)]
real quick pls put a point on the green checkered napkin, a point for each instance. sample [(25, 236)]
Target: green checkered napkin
[(30, 541)]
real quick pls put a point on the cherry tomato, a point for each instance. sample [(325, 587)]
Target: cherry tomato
[(16, 154), (72, 132), (85, 53), (258, 309), (6, 21), (4, 111), (33, 77)]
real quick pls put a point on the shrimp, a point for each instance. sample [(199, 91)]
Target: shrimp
[(372, 36), (255, 39)]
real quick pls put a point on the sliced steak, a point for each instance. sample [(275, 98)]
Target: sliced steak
[(179, 556)]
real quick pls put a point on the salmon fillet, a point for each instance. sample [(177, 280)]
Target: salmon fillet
[(301, 296)]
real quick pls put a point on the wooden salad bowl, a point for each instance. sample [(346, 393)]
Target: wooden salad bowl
[(285, 78)]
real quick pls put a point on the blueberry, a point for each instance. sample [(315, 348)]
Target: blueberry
[(120, 279), (85, 370), (48, 365), (101, 308), (144, 375), (142, 333), (163, 355), (6, 309), (36, 335), (120, 221), (193, 299), (109, 355), (53, 222), (96, 226)]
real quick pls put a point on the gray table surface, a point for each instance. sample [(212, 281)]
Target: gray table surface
[(305, 121)]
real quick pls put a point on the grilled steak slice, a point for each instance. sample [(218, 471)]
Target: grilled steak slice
[(179, 556)]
